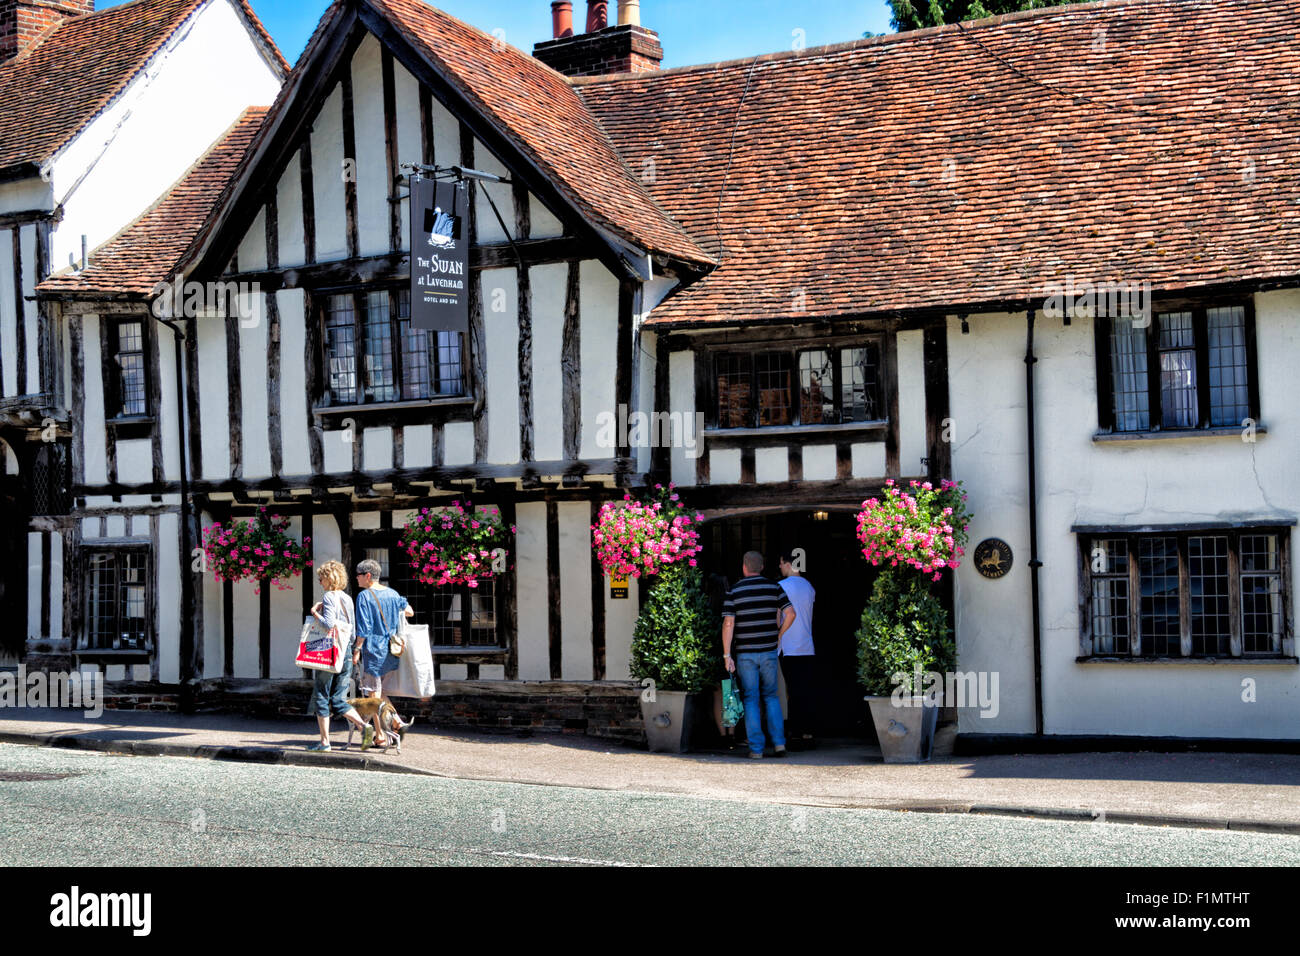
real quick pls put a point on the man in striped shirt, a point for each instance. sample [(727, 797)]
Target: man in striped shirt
[(754, 616)]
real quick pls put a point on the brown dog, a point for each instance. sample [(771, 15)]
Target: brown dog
[(389, 720)]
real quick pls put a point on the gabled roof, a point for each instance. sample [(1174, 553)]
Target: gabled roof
[(539, 109), (51, 92), (147, 252), (527, 106), (975, 163)]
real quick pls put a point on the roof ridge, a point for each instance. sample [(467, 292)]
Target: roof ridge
[(888, 39)]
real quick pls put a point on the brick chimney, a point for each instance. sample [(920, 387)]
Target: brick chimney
[(625, 48), (23, 21)]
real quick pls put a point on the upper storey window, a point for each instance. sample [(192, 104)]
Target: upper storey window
[(823, 386)]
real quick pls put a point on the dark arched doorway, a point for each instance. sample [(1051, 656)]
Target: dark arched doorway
[(836, 569)]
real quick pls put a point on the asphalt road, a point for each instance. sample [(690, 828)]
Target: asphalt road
[(123, 811)]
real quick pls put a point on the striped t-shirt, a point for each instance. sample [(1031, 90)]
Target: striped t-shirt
[(756, 604)]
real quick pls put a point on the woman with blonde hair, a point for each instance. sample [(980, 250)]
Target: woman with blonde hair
[(330, 691)]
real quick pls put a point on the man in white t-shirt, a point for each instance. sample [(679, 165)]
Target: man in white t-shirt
[(797, 656)]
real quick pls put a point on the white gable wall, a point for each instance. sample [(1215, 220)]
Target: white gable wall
[(193, 90)]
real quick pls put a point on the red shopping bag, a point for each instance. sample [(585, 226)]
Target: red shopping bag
[(319, 649)]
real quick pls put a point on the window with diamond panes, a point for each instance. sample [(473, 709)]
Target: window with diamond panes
[(117, 618), (457, 615), (1199, 593), (132, 392), (825, 386), (396, 362), (1185, 370)]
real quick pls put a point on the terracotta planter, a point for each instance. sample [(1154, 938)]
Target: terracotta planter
[(668, 720), (906, 733)]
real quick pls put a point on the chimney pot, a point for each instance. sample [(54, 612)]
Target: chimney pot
[(597, 15), (629, 13), (562, 18)]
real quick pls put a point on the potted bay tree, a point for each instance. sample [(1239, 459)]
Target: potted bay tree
[(672, 643), (913, 536)]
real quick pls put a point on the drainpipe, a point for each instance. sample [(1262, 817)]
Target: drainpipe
[(187, 662), (1034, 563)]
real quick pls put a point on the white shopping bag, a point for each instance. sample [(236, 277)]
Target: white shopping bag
[(414, 674)]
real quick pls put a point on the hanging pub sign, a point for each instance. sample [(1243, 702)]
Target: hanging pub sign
[(439, 256)]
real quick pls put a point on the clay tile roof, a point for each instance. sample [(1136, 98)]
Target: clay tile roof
[(548, 120), (976, 163), (148, 251), (48, 94)]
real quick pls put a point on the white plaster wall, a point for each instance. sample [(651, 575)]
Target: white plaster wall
[(135, 461), (327, 179), (575, 590), (337, 449), (248, 661), (911, 403), (869, 459), (290, 234), (35, 585), (542, 221), (533, 601), (501, 328), (190, 93), (56, 587), (286, 613), (681, 396), (214, 414), (724, 466), (1124, 484), (489, 230), (252, 248), (550, 290), (458, 443), (620, 619), (446, 136), (252, 386), (417, 446), (166, 343), (372, 154), (8, 322), (30, 313), (169, 595), (92, 432), (771, 464), (410, 147), (819, 462), (598, 348), (377, 452), (645, 390), (26, 195), (294, 417), (212, 635)]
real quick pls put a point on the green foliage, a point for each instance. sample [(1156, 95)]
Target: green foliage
[(672, 643), (903, 626), (915, 14)]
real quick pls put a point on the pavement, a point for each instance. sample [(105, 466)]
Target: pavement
[(1259, 792)]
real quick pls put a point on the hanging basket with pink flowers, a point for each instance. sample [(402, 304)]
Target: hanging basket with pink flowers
[(923, 528), (256, 549), (642, 537), (457, 544)]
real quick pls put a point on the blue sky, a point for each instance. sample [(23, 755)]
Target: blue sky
[(692, 31)]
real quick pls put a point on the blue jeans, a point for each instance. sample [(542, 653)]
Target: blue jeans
[(329, 692), (758, 675)]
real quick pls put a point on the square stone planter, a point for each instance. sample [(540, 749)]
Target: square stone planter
[(668, 720), (906, 733)]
